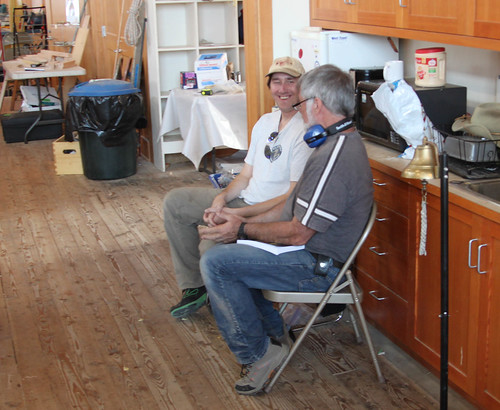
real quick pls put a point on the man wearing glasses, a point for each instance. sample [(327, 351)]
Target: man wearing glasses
[(273, 165), (326, 212)]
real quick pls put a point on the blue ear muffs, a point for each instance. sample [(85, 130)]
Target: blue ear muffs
[(316, 134)]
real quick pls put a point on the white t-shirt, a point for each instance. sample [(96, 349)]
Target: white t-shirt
[(287, 155)]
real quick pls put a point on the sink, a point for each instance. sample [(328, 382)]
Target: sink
[(490, 189)]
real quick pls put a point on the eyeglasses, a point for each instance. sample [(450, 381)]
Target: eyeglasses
[(267, 152), (267, 149), (273, 136), (296, 107), (272, 154)]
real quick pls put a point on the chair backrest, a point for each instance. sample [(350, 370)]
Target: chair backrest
[(355, 250), (364, 235)]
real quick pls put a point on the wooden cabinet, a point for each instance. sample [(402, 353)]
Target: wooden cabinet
[(488, 360), (402, 289), (428, 15), (464, 230), (334, 10), (473, 23), (385, 13), (447, 16), (487, 19), (382, 263)]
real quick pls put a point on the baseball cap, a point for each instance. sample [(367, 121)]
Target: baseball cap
[(287, 65)]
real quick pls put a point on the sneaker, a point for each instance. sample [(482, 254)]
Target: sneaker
[(256, 376), (192, 300)]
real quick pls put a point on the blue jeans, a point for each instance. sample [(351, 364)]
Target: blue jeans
[(234, 274)]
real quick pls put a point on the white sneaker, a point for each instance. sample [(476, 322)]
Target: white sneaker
[(256, 376)]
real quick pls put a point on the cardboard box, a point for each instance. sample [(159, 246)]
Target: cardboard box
[(67, 157), (210, 69), (188, 80)]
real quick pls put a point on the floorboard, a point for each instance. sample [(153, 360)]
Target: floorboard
[(86, 284)]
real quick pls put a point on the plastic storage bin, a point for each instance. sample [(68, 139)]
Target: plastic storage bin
[(105, 113)]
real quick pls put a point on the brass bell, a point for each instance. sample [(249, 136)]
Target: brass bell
[(425, 163)]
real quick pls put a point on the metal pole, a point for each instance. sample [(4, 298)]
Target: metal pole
[(444, 280)]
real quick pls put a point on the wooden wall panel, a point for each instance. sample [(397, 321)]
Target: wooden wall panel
[(258, 28)]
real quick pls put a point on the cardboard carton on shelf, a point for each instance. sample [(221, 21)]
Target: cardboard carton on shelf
[(210, 69)]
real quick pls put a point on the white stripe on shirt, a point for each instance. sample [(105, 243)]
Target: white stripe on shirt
[(319, 187)]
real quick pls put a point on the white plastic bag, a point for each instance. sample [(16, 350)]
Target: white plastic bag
[(401, 106)]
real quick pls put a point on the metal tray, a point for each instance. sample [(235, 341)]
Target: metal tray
[(471, 148)]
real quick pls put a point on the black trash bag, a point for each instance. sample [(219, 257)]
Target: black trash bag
[(109, 117)]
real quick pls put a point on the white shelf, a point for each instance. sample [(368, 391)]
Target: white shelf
[(177, 32)]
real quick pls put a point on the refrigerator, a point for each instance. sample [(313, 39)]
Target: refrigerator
[(314, 47)]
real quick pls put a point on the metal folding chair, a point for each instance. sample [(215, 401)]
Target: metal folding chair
[(343, 290)]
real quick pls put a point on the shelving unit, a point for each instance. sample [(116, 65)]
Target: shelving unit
[(179, 31)]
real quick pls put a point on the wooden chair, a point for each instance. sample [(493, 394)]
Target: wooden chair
[(343, 290)]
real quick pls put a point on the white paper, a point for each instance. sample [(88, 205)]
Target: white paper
[(275, 249)]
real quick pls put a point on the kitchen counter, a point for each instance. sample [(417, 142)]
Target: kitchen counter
[(459, 195)]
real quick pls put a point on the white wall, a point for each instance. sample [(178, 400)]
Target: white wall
[(288, 15), (474, 68)]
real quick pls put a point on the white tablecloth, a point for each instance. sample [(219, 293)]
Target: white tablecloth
[(205, 122)]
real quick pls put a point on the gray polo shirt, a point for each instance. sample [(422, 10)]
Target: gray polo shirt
[(334, 195)]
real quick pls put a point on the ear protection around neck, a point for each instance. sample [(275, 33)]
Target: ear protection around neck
[(316, 135)]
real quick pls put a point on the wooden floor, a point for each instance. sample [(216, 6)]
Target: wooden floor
[(86, 286)]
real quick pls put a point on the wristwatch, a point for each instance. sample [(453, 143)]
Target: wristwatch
[(241, 231)]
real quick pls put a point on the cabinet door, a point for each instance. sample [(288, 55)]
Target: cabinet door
[(378, 12), (463, 294), (488, 390), (445, 16), (334, 10), (487, 19)]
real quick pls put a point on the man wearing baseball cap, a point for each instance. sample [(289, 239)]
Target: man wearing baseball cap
[(273, 165)]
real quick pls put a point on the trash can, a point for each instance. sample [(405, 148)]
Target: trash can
[(105, 113)]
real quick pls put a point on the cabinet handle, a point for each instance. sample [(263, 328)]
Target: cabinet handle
[(381, 219), (470, 254), (372, 248), (379, 183), (401, 4), (479, 248), (349, 2), (372, 294)]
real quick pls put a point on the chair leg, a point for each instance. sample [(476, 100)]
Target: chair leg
[(354, 322), (294, 348), (283, 307), (365, 329)]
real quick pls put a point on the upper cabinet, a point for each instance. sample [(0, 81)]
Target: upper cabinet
[(487, 19), (474, 23), (429, 15), (445, 16)]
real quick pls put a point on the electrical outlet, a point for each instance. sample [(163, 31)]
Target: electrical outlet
[(103, 30)]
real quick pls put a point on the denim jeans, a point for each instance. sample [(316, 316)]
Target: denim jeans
[(182, 212), (234, 275)]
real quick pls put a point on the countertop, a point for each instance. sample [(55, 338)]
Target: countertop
[(458, 193)]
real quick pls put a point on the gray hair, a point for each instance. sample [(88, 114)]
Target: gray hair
[(332, 86)]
